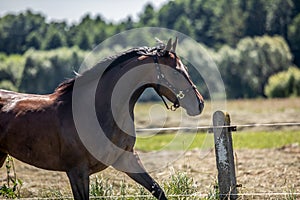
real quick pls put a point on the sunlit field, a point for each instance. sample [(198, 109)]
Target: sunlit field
[(241, 140)]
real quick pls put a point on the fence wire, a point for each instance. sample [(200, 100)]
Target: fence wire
[(210, 128), (175, 196)]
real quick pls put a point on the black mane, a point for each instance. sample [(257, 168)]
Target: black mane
[(109, 63)]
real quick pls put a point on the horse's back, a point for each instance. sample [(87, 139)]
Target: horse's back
[(5, 97), (15, 106), (8, 101), (14, 102)]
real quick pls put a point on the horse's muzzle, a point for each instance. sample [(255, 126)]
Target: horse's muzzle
[(201, 106), (200, 100)]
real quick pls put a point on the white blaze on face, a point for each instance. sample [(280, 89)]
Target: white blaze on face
[(182, 68)]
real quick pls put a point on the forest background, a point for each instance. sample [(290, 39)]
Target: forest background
[(255, 44)]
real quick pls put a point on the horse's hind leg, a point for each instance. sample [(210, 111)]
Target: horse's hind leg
[(133, 167), (2, 158), (79, 180)]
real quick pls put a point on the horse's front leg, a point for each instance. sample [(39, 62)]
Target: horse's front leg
[(79, 179), (132, 166)]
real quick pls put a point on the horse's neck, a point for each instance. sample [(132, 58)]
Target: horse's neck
[(117, 93)]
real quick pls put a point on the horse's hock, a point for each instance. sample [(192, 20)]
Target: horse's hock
[(224, 155)]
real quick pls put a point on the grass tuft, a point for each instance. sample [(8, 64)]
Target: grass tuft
[(214, 192), (100, 188), (180, 184), (13, 185)]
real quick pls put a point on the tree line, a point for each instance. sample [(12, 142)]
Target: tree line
[(249, 40)]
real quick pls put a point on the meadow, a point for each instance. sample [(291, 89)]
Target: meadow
[(242, 140), (267, 158), (257, 111)]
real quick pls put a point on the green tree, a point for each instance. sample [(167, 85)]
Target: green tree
[(89, 32), (232, 23), (169, 13), (205, 18), (228, 60), (129, 24), (147, 17), (99, 37), (14, 30), (33, 41), (284, 84), (261, 58), (7, 85), (184, 25), (54, 40), (84, 41), (246, 68), (294, 38), (44, 70), (279, 17), (11, 70), (55, 36), (256, 18)]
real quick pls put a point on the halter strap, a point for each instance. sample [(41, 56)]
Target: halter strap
[(180, 94), (161, 76)]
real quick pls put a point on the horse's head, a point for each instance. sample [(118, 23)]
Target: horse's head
[(174, 82)]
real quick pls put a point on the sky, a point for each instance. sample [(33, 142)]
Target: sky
[(73, 10)]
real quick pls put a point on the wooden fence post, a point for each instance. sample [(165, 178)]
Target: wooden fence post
[(224, 156)]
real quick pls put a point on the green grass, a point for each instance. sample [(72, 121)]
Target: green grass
[(179, 186), (170, 141), (241, 140), (262, 140), (11, 189)]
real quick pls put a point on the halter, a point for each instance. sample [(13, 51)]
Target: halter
[(180, 94)]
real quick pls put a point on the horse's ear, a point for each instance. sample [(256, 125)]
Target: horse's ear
[(169, 45), (174, 45)]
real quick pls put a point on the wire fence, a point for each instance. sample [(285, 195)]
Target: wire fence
[(194, 196), (210, 128)]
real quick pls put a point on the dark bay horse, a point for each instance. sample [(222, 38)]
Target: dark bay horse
[(55, 131)]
